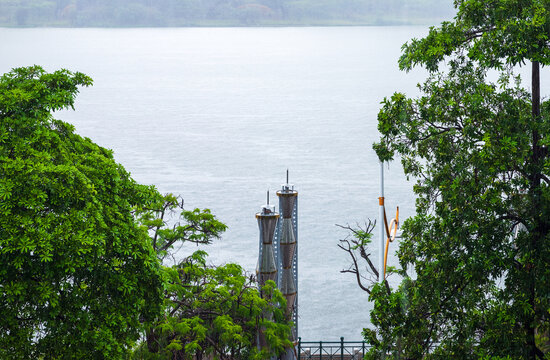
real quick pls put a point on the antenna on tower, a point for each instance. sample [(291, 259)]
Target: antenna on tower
[(287, 254), (267, 265)]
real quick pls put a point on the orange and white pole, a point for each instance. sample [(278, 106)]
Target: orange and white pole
[(381, 225)]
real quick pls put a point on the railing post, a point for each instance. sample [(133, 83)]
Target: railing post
[(314, 350)]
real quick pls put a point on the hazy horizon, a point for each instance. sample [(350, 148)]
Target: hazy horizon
[(187, 13)]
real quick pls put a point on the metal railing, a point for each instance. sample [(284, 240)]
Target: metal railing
[(331, 350)]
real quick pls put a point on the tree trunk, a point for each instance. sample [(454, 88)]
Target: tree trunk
[(535, 90), (535, 193)]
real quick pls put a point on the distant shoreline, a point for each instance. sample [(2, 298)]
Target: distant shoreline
[(216, 13), (57, 26)]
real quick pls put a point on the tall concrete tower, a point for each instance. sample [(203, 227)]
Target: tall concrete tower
[(287, 255), (267, 263), (267, 222)]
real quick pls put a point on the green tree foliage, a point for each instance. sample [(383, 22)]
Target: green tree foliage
[(78, 273), (81, 248), (215, 311), (479, 244), (169, 224)]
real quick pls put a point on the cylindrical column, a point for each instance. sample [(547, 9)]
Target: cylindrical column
[(267, 266), (287, 246), (288, 262), (267, 223)]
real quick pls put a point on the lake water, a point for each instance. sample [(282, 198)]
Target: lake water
[(218, 115)]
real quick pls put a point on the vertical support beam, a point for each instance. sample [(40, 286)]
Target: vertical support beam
[(381, 225), (295, 263), (341, 348)]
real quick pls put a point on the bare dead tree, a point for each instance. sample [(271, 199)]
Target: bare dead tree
[(355, 244)]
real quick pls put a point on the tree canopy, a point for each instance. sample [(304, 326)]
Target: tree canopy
[(494, 33), (475, 259), (208, 310), (216, 311), (78, 274), (82, 248), (470, 243)]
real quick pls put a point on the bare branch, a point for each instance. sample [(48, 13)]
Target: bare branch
[(355, 268)]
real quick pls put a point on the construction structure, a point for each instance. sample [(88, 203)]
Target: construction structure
[(286, 240), (278, 253), (267, 263)]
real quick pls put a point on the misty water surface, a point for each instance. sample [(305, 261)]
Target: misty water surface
[(218, 115)]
